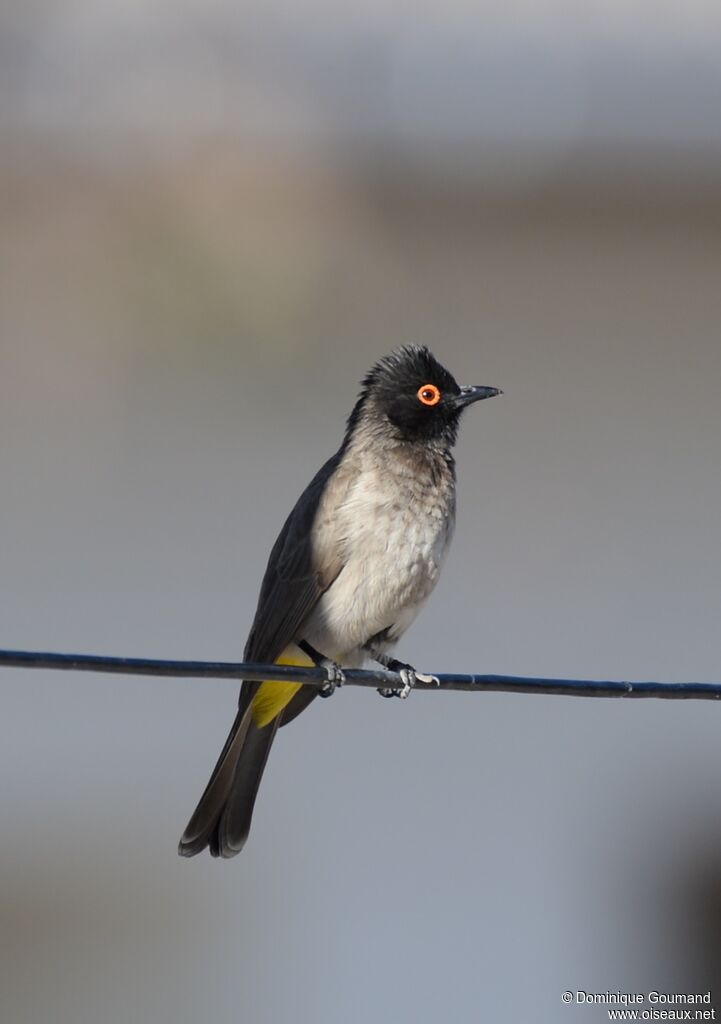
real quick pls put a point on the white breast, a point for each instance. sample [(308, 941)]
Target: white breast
[(394, 527)]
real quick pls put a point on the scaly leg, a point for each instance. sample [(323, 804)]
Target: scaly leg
[(408, 674)]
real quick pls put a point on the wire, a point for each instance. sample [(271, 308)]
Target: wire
[(357, 677)]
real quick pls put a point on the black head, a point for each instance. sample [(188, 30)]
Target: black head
[(414, 398)]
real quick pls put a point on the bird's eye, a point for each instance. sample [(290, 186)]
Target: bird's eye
[(429, 394)]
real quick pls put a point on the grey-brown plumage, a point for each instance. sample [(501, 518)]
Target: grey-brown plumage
[(355, 561)]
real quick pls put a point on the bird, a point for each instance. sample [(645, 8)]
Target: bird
[(354, 563)]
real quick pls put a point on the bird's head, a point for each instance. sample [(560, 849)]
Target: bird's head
[(409, 396)]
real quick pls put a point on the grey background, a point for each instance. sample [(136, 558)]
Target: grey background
[(212, 220)]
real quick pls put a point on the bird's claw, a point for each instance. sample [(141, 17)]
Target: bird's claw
[(409, 677), (336, 677), (421, 677)]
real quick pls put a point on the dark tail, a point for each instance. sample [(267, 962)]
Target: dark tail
[(222, 819)]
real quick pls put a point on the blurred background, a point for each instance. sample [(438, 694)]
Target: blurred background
[(214, 217)]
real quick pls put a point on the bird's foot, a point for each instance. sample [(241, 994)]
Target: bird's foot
[(336, 677), (409, 677), (334, 672)]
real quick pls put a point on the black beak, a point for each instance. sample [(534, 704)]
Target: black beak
[(471, 394)]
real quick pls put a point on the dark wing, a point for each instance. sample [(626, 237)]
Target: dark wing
[(302, 565), (305, 560)]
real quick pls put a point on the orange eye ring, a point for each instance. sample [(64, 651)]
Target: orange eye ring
[(428, 394)]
